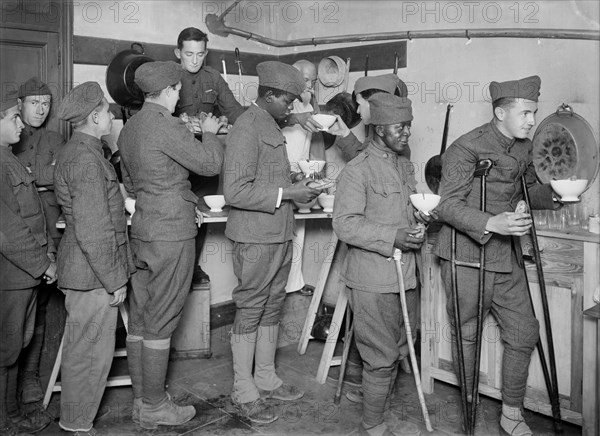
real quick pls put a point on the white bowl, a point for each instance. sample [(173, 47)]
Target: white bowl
[(325, 120), (215, 202), (310, 167), (425, 202), (305, 207), (326, 202), (568, 189)]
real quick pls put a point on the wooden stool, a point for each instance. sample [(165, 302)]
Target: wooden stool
[(121, 380), (327, 358)]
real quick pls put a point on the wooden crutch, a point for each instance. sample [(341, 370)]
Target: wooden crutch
[(482, 169), (551, 385), (411, 346), (347, 341)]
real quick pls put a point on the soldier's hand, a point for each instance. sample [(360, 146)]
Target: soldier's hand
[(426, 219), (409, 239), (211, 124), (300, 192), (509, 223), (50, 274), (119, 296), (339, 128), (306, 120)]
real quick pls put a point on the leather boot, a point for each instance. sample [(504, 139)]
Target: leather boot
[(157, 408), (134, 346)]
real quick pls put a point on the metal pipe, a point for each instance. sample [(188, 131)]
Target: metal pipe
[(216, 25)]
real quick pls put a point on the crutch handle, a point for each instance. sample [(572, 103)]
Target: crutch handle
[(482, 169)]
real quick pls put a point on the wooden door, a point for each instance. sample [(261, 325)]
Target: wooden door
[(35, 40)]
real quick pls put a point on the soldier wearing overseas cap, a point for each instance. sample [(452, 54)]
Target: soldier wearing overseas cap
[(157, 154), (24, 263), (350, 146), (260, 191), (94, 260), (37, 150), (202, 90), (374, 216), (505, 141)]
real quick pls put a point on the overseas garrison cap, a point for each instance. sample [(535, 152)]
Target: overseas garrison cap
[(80, 102), (34, 86), (9, 98), (527, 88), (389, 109), (156, 76), (384, 83), (278, 75)]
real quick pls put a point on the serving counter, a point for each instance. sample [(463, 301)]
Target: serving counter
[(570, 264)]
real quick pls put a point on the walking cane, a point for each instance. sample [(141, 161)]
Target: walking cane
[(552, 386), (411, 347), (481, 170)]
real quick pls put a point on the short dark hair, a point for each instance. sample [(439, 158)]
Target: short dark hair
[(262, 91), (504, 103), (368, 93), (191, 34)]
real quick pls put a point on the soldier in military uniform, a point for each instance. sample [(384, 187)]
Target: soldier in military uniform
[(157, 154), (503, 140), (202, 90), (94, 260), (24, 262), (259, 189), (373, 215), (37, 150)]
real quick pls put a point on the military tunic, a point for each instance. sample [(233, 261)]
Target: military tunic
[(37, 150), (505, 294), (206, 91), (23, 255), (256, 166), (94, 261)]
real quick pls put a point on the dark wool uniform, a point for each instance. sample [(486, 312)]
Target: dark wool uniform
[(23, 255), (93, 262), (206, 91), (157, 153), (37, 151), (505, 293)]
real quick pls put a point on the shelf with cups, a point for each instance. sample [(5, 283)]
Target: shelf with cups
[(573, 221)]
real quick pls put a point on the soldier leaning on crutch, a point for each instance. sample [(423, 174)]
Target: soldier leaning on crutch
[(504, 140)]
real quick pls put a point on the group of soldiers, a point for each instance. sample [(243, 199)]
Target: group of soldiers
[(98, 263)]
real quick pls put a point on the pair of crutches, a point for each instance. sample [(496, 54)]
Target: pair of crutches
[(469, 414), (411, 348)]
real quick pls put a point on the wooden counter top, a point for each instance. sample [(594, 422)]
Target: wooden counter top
[(221, 217)]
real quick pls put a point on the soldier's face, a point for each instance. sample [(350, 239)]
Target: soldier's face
[(104, 118), (35, 109), (395, 136), (517, 120), (11, 126), (280, 107), (364, 110), (192, 55)]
